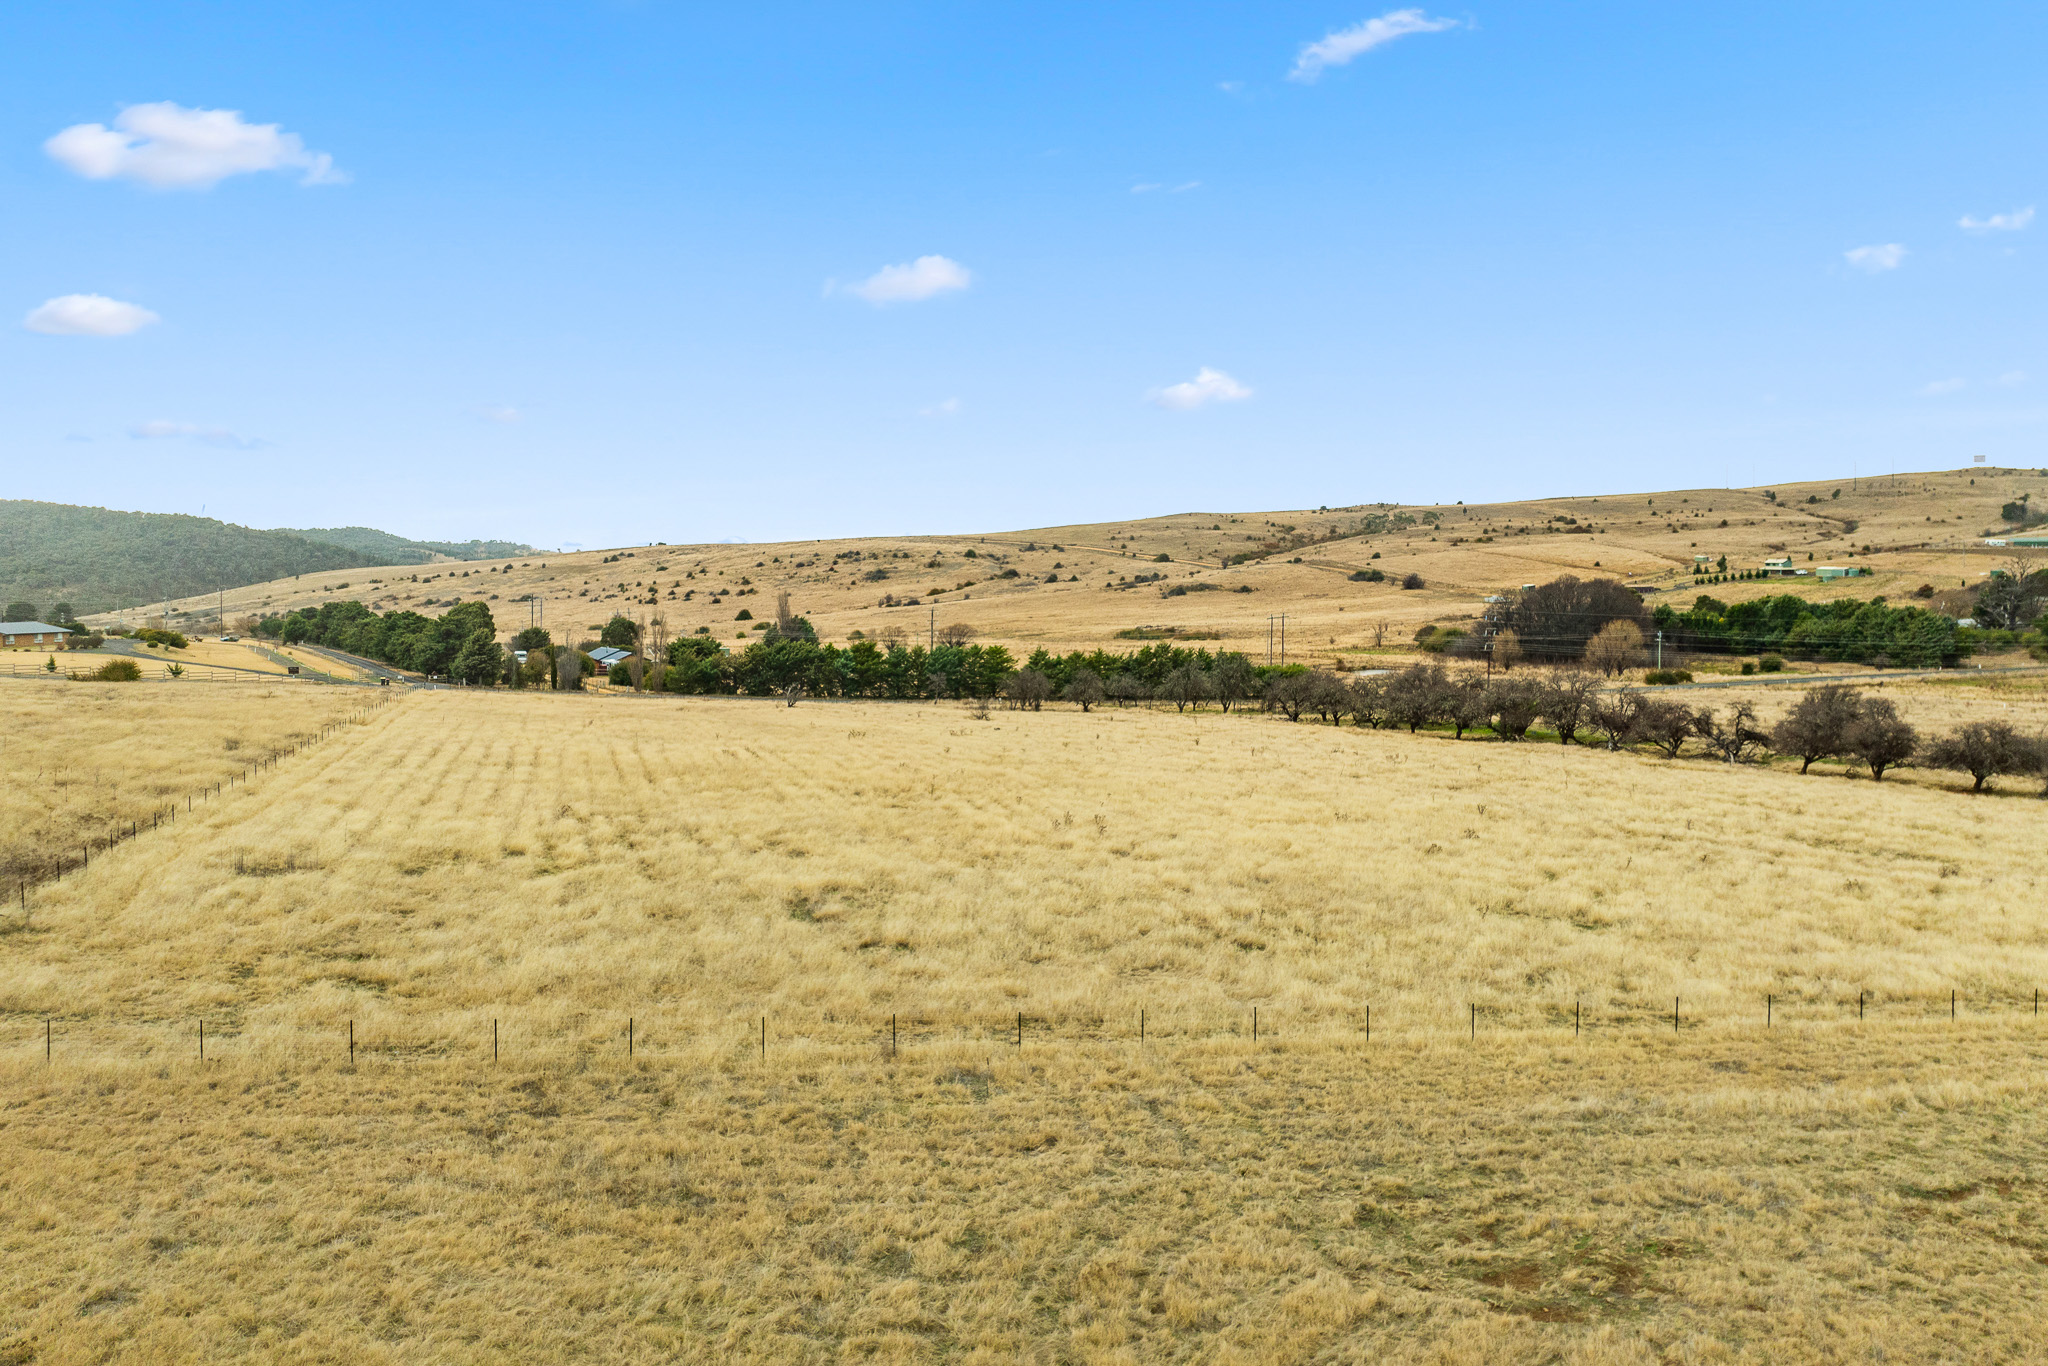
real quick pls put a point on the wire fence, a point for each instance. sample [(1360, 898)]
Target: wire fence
[(677, 1038), (58, 863)]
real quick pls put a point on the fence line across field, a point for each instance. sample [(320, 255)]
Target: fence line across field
[(160, 817), (754, 1039)]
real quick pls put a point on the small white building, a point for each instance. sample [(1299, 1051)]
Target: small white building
[(33, 635)]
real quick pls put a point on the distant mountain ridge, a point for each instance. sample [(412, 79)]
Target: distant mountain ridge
[(100, 559), (389, 549)]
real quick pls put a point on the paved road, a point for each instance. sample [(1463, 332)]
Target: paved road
[(369, 666), (1808, 680)]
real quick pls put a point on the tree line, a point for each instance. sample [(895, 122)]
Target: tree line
[(1556, 621), (461, 643)]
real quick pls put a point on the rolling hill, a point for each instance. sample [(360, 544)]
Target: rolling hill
[(100, 559), (385, 548), (1224, 576)]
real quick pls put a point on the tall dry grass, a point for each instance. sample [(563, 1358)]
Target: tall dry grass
[(560, 863), (83, 759), (1813, 1195), (1819, 1191)]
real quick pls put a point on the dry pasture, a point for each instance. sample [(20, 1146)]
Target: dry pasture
[(1460, 1188)]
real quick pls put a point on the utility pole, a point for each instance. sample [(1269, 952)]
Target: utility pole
[(1280, 617), (1660, 650)]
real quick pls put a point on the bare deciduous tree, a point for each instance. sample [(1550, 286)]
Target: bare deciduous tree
[(1085, 688), (956, 633), (1235, 681), (1617, 648), (1880, 738), (1567, 700), (1666, 725), (1617, 716), (1185, 686), (1028, 688), (1506, 651), (1512, 706), (1736, 739), (1128, 688), (1984, 749), (1819, 724)]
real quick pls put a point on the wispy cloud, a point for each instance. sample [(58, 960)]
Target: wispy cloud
[(913, 280), (88, 315), (1877, 259), (945, 407), (2012, 379), (1208, 386), (171, 147), (1343, 46), (1940, 387), (1997, 222), (161, 429), (505, 414)]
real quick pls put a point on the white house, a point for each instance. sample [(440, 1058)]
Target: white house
[(36, 634)]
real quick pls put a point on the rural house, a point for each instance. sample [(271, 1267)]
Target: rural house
[(39, 634)]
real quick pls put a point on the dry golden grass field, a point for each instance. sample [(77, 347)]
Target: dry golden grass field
[(1477, 1182), (84, 760), (1907, 530)]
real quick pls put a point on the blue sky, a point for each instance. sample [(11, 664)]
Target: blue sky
[(600, 273)]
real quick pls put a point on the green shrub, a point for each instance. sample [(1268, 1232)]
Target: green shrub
[(1747, 668), (1771, 664), (1663, 676), (113, 671)]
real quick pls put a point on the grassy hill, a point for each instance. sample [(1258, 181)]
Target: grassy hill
[(98, 559), (1223, 576), (384, 548)]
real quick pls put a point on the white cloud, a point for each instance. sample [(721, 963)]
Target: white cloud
[(159, 429), (1230, 87), (1208, 386), (943, 408), (1997, 222), (505, 414), (2013, 379), (171, 147), (1876, 259), (1942, 386), (88, 315), (919, 279), (1339, 48)]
